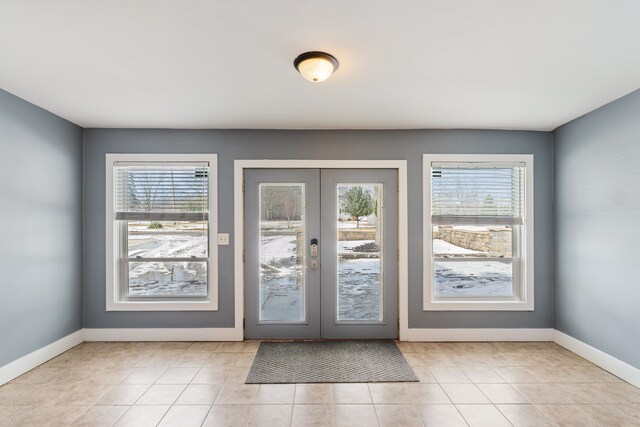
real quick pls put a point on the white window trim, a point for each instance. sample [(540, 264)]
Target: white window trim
[(430, 303), (208, 304)]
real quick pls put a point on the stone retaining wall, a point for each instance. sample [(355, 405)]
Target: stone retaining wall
[(495, 241), (357, 234)]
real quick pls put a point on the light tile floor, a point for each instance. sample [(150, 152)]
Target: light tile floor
[(202, 384)]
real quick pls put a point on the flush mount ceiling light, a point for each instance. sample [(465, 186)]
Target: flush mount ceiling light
[(316, 66)]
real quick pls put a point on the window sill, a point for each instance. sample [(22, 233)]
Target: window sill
[(163, 305), (478, 305)]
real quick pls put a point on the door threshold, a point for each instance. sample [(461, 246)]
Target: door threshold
[(321, 339)]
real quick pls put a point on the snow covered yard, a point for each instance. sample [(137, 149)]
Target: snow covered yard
[(157, 278), (281, 279), (480, 278), (359, 293), (470, 278), (281, 274)]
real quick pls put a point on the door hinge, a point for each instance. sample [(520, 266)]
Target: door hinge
[(243, 255), (398, 254), (243, 185), (244, 323)]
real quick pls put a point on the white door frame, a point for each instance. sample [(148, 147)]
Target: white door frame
[(403, 225)]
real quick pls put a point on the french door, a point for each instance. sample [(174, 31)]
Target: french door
[(321, 253)]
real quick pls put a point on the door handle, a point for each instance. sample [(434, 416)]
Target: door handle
[(314, 254)]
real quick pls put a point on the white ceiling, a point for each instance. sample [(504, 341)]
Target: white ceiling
[(503, 64)]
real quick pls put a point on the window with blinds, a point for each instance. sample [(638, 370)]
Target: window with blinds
[(477, 221), (162, 192), (477, 193), (162, 218)]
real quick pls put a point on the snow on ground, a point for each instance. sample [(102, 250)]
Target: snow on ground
[(477, 278), (350, 245), (277, 248), (359, 290), (281, 279), (168, 245), (472, 227), (354, 224), (282, 293), (470, 278), (280, 225), (167, 278), (441, 247), (281, 297)]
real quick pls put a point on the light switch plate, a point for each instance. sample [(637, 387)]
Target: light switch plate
[(223, 238)]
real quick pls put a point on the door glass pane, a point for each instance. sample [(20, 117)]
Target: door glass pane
[(359, 284), (282, 252)]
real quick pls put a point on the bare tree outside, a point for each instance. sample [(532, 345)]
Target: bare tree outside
[(280, 203)]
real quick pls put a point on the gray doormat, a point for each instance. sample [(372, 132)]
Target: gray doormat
[(329, 362)]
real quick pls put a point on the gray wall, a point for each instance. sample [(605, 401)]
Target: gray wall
[(40, 228), (239, 144), (597, 210)]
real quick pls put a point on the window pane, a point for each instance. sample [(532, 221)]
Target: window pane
[(167, 239), (164, 278), (476, 190), (472, 241), (282, 257), (473, 278), (359, 282), (152, 188)]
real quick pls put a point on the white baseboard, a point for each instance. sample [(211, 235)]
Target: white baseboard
[(36, 358), (607, 362), (480, 334), (164, 334)]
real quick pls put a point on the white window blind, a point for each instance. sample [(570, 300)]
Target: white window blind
[(162, 191), (474, 193)]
